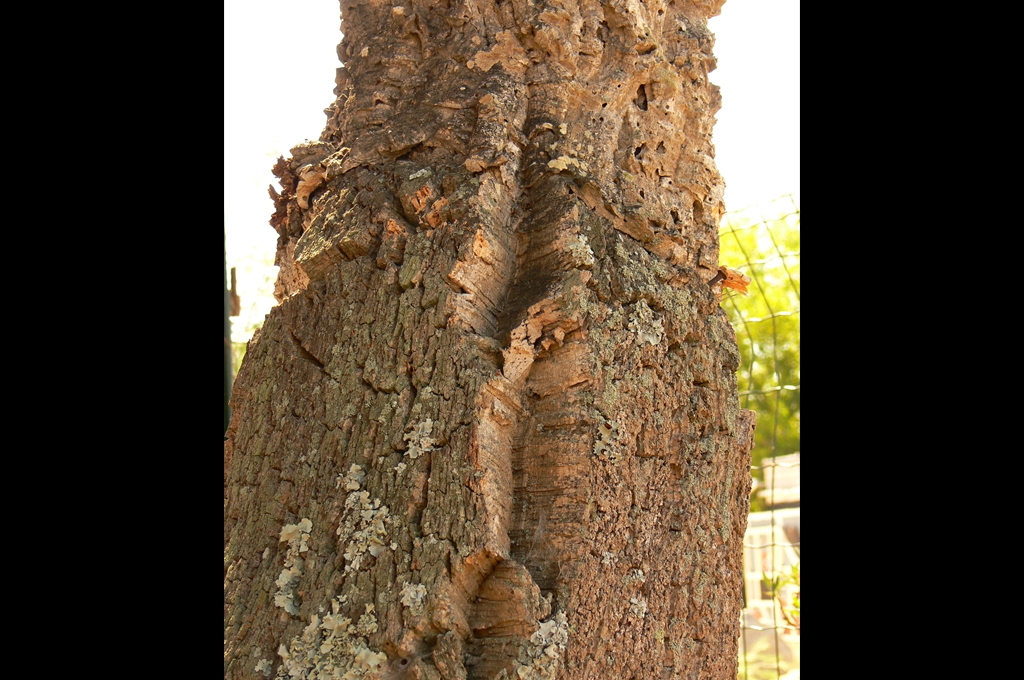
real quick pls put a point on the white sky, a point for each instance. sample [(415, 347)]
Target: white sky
[(279, 63)]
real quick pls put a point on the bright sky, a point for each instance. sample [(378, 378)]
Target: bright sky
[(279, 63)]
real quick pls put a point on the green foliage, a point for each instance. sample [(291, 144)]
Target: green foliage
[(766, 247), (237, 352), (788, 598), (238, 348)]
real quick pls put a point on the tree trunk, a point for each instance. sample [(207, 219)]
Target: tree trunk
[(492, 429)]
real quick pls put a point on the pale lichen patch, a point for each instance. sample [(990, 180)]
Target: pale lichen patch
[(563, 163), (353, 479), (420, 440), (367, 622), (265, 667), (297, 537), (332, 648), (369, 530), (541, 658), (638, 607), (606, 446), (582, 253), (646, 325), (633, 577), (362, 528), (412, 597)]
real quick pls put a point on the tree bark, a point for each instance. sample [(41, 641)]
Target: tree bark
[(492, 430)]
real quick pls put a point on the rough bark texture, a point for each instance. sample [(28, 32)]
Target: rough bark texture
[(492, 429)]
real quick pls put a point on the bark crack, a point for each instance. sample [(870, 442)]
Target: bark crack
[(303, 352)]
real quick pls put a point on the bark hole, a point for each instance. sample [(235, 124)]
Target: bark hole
[(641, 98)]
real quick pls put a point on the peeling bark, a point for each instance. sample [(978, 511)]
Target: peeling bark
[(499, 390)]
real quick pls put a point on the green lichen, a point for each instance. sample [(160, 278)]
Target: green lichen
[(410, 268)]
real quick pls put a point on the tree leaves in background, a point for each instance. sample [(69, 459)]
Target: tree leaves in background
[(765, 245)]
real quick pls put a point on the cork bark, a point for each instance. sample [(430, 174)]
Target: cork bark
[(492, 429)]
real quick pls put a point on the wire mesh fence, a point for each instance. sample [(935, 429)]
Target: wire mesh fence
[(763, 243)]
